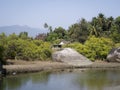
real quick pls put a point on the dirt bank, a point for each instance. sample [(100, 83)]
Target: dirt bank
[(16, 67)]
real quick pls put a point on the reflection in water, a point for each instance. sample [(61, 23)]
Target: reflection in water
[(15, 82), (1, 83), (87, 80), (99, 79)]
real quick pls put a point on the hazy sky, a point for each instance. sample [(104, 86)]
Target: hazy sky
[(35, 13)]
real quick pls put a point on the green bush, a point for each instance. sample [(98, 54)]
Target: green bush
[(16, 47), (98, 48), (94, 48), (117, 45), (28, 50)]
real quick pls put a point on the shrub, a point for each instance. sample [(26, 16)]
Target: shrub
[(117, 45), (94, 48), (98, 47), (28, 50)]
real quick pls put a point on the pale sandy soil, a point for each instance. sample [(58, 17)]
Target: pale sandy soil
[(21, 66)]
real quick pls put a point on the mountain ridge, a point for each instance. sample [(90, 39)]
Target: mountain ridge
[(19, 28)]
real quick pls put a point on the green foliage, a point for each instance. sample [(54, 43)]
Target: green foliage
[(79, 31), (3, 39), (12, 37), (1, 53), (20, 47), (28, 50), (97, 36), (52, 37), (94, 48), (23, 35), (115, 35), (98, 48), (99, 26), (58, 33), (117, 45), (57, 41)]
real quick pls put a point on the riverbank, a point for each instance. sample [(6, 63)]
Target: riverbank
[(16, 67)]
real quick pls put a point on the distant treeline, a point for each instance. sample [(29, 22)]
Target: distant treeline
[(94, 39), (99, 26)]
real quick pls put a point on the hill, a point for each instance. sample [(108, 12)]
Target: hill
[(17, 29)]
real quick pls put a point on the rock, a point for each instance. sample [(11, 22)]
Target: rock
[(71, 57), (114, 55)]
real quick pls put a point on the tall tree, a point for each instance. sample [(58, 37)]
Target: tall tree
[(23, 35), (61, 32), (115, 30), (100, 25), (45, 25), (48, 27), (79, 31)]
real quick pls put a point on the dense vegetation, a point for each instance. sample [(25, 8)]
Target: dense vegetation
[(94, 39), (99, 26), (94, 48), (23, 47)]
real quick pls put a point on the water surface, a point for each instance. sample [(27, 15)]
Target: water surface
[(86, 80)]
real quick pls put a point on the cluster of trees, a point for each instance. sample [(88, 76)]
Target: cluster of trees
[(23, 47), (94, 39), (99, 26), (56, 34)]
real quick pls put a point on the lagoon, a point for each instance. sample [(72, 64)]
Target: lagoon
[(76, 80)]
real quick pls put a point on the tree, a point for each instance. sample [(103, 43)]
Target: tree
[(100, 26), (13, 37), (3, 39), (61, 32), (79, 31), (23, 35), (45, 25), (48, 27), (97, 25), (117, 22), (52, 37), (115, 34), (114, 31), (1, 53)]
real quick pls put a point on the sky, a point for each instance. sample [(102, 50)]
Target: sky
[(55, 13)]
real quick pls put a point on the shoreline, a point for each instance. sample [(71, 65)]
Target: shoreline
[(17, 67)]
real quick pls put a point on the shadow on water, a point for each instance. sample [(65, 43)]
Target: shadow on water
[(15, 82)]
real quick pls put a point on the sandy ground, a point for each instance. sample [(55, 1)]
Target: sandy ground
[(20, 66), (32, 66)]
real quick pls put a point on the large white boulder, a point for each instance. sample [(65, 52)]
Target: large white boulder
[(71, 57)]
